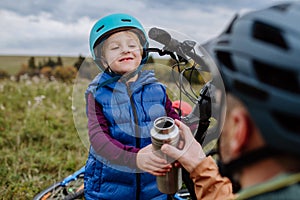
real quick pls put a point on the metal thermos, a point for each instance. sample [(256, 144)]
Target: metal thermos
[(166, 131)]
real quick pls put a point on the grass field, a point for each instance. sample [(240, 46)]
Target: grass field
[(39, 143)]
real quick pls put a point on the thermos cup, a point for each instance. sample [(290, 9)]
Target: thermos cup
[(165, 131)]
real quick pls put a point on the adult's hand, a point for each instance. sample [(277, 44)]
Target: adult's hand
[(191, 154)]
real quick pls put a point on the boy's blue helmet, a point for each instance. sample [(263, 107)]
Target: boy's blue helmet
[(113, 23), (259, 58)]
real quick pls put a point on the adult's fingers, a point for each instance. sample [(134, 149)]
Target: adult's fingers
[(171, 151)]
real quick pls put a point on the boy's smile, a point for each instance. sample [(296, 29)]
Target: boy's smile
[(125, 59)]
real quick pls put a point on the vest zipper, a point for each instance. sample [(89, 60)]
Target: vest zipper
[(137, 139)]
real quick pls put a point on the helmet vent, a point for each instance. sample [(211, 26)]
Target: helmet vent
[(269, 34), (250, 90), (225, 59), (280, 78), (287, 121), (101, 27), (126, 20)]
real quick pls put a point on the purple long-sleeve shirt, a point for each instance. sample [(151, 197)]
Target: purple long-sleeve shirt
[(101, 141)]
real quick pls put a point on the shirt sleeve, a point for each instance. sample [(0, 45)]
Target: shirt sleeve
[(170, 110), (104, 145), (208, 182)]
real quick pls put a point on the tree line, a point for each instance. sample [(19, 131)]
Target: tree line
[(52, 63), (50, 68)]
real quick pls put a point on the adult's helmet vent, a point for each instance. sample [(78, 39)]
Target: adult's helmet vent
[(250, 90), (287, 121), (225, 59), (269, 34), (277, 77)]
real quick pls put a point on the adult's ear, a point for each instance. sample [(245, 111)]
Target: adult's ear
[(241, 130)]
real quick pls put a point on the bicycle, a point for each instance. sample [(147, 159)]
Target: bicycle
[(69, 188), (199, 119)]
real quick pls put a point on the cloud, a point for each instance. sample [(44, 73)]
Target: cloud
[(36, 34), (61, 27)]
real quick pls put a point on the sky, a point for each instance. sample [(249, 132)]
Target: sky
[(61, 27)]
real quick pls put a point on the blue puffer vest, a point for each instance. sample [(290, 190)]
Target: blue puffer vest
[(141, 102)]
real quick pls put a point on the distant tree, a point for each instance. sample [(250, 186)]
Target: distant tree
[(40, 65), (79, 62), (31, 63), (59, 61), (50, 63)]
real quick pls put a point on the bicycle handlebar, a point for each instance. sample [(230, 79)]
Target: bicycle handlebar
[(182, 49)]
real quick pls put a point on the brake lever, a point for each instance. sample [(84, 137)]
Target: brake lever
[(164, 51), (161, 52)]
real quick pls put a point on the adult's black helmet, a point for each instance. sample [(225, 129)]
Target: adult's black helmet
[(259, 58)]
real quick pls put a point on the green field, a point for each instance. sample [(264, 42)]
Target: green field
[(12, 63), (38, 139)]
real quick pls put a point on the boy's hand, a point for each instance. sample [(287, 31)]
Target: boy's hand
[(149, 162)]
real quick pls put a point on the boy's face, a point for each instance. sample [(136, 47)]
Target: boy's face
[(122, 52)]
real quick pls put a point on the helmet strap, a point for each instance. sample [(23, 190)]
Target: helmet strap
[(232, 168)]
